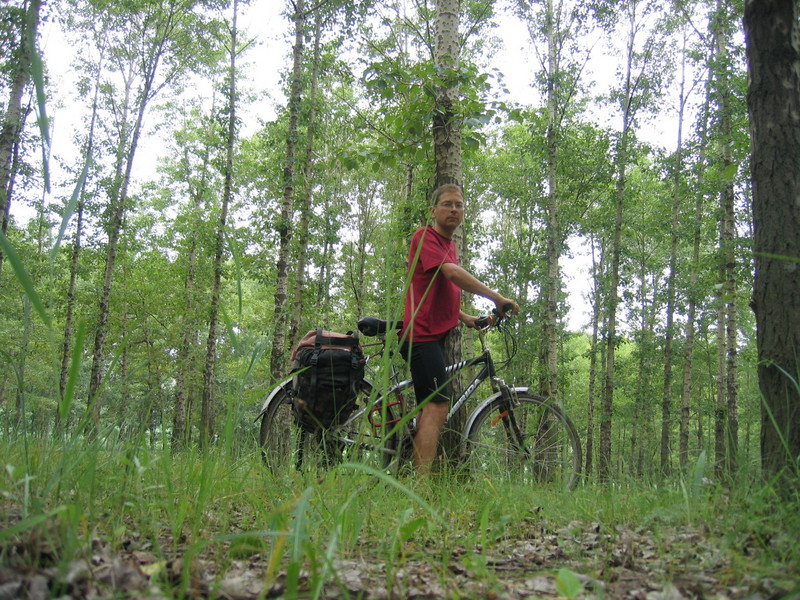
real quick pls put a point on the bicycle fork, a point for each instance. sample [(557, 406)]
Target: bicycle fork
[(509, 401)]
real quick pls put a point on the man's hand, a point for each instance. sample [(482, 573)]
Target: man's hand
[(468, 320), (501, 305)]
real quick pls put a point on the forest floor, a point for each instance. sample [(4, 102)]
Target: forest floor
[(102, 521), (533, 559)]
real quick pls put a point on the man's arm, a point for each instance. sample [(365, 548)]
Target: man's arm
[(467, 282)]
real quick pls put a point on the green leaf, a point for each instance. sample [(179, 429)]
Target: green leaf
[(567, 583)]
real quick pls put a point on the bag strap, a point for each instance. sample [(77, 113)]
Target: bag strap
[(324, 340)]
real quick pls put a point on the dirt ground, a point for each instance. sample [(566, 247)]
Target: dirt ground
[(577, 561)]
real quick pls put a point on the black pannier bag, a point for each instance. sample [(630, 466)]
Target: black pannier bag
[(328, 372)]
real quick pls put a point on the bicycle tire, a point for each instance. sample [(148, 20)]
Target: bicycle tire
[(550, 453), (287, 447)]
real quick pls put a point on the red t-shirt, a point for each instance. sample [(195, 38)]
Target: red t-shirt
[(432, 301)]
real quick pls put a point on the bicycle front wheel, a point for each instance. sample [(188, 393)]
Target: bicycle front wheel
[(533, 442)]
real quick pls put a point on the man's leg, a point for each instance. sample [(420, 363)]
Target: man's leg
[(428, 371), (426, 441)]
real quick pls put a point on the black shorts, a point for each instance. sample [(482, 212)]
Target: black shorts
[(428, 370)]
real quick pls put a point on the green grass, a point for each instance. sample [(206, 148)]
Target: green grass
[(190, 516)]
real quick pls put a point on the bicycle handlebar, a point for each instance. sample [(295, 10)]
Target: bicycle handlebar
[(494, 320), (372, 326)]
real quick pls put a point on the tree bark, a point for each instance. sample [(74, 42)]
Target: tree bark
[(727, 421), (208, 409), (553, 245), (447, 153), (675, 234), (306, 193), (278, 366), (14, 117), (772, 33), (186, 384)]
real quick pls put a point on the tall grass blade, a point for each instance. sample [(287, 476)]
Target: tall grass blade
[(37, 76), (74, 369), (396, 484), (28, 524), (24, 278), (69, 209)]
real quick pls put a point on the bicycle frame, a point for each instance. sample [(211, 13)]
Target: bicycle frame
[(488, 371)]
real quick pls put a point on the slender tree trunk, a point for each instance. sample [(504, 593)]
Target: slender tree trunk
[(594, 349), (675, 234), (66, 348), (693, 293), (88, 159), (689, 341), (126, 153), (553, 247), (306, 192), (773, 99), (630, 102), (117, 204), (185, 379), (727, 421), (604, 462), (14, 116), (285, 225), (207, 409), (641, 398), (447, 154)]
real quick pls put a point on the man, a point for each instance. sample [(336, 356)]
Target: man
[(432, 310)]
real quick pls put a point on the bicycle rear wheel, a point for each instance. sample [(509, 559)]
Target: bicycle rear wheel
[(534, 442), (286, 447)]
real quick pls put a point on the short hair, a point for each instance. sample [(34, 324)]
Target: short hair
[(445, 187)]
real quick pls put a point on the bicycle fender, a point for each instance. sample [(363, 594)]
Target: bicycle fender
[(283, 386), (474, 414)]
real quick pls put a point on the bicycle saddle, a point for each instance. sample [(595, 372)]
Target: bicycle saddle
[(372, 326)]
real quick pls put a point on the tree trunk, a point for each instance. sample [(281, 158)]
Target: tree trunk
[(553, 246), (14, 117), (66, 351), (306, 193), (675, 234), (688, 354), (117, 204), (726, 428), (278, 366), (447, 153), (126, 152), (612, 300), (185, 379), (66, 348), (594, 348), (773, 100), (207, 409)]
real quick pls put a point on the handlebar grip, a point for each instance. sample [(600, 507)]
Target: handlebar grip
[(484, 321), (507, 308)]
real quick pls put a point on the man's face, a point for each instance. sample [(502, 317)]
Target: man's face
[(449, 211)]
